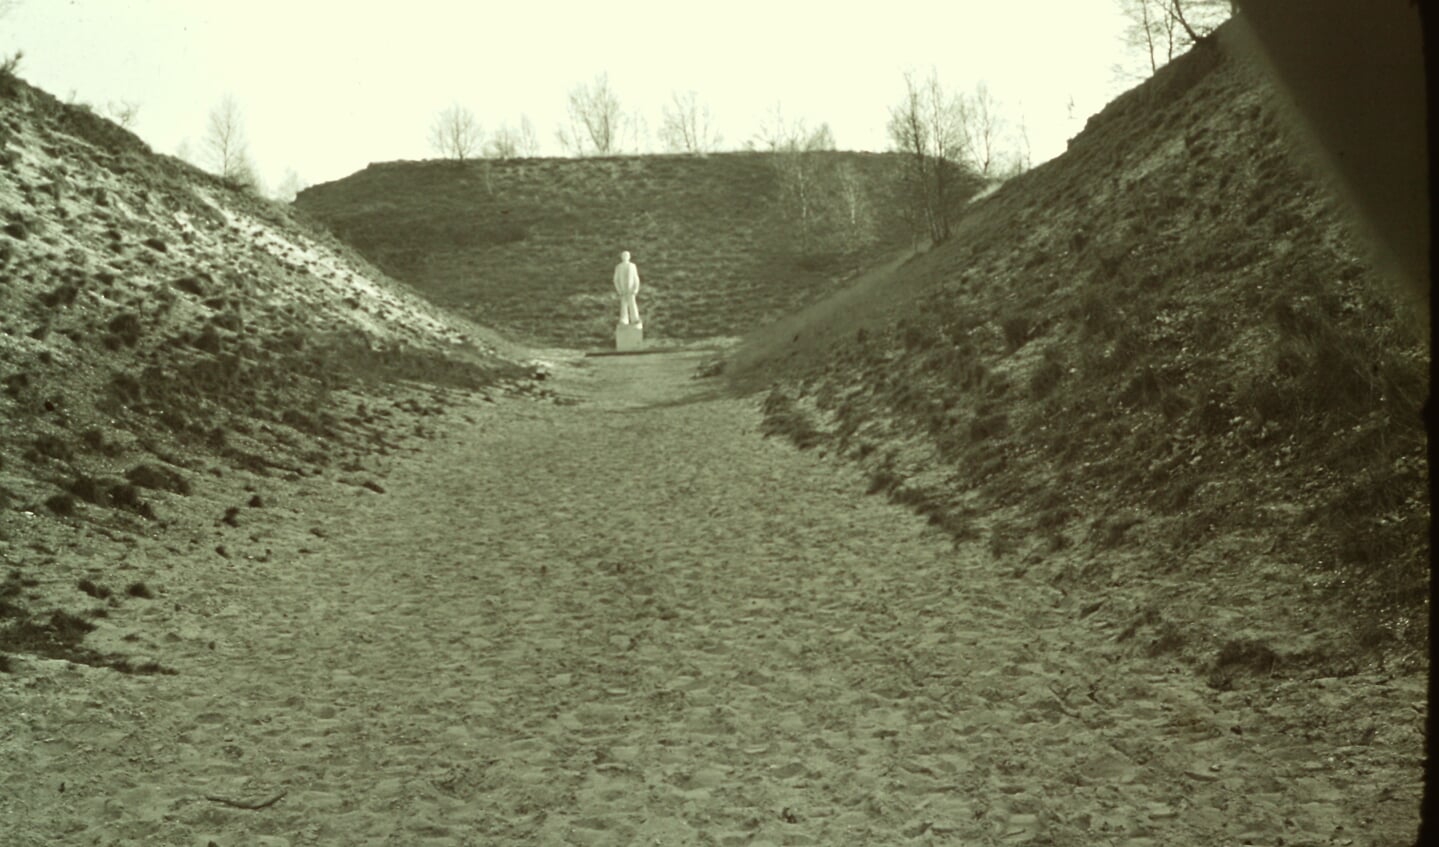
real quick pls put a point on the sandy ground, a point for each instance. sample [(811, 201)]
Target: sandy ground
[(626, 618)]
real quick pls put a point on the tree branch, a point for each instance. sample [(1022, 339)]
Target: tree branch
[(1176, 13)]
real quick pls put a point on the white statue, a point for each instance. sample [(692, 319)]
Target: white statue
[(627, 285)]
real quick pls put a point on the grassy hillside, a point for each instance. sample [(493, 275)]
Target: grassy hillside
[(527, 246), (166, 342), (1157, 370)]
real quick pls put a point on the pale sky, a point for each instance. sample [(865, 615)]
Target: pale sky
[(328, 87)]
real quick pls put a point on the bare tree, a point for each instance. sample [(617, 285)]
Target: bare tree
[(185, 152), (290, 186), (1161, 29), (854, 201), (822, 138), (456, 134), (1199, 18), (1023, 155), (122, 112), (504, 143), (778, 133), (774, 132), (596, 120), (1148, 31), (983, 124), (637, 130), (529, 142), (11, 63), (806, 186), (929, 127), (512, 143), (909, 135), (226, 146), (686, 125)]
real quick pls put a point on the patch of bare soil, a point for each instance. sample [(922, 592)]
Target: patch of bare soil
[(628, 618)]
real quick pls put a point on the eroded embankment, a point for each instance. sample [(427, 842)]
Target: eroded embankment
[(1159, 362)]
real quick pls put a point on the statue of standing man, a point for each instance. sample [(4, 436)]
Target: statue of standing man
[(627, 285)]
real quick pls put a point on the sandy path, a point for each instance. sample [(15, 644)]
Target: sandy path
[(631, 620)]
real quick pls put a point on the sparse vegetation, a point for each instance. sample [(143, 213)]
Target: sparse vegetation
[(531, 256), (1194, 380), (178, 330), (1163, 413)]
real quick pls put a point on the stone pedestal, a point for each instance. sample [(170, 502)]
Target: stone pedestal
[(629, 337)]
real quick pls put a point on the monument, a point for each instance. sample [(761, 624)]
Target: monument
[(630, 331)]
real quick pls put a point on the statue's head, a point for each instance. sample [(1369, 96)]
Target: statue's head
[(624, 255)]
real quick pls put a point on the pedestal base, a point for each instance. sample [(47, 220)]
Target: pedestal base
[(629, 337)]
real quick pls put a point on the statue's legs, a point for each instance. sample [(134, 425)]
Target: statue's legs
[(629, 310)]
